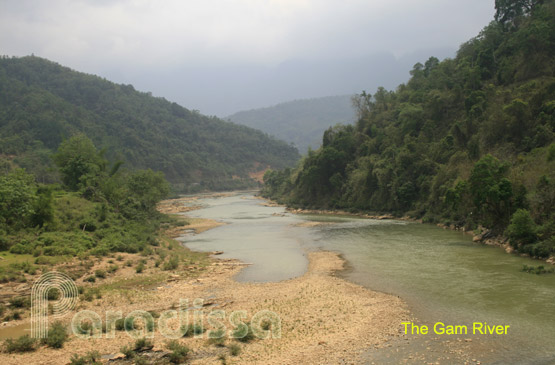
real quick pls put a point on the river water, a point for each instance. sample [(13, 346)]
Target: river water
[(441, 274)]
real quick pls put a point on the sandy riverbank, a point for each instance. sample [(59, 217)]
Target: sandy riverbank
[(324, 319)]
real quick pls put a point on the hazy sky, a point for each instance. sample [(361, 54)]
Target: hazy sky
[(221, 56)]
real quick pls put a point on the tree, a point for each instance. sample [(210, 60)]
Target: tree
[(17, 199), (77, 157), (507, 11), (522, 229), (491, 191), (145, 188)]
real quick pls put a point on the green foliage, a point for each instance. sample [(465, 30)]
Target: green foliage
[(234, 349), (20, 302), (90, 358), (101, 274), (178, 352), (172, 263), (143, 344), (217, 337), (467, 140), (522, 230), (24, 343), (56, 337), (17, 200), (538, 270), (193, 330), (76, 158), (49, 105), (243, 333)]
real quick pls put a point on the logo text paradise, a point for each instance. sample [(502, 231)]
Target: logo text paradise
[(171, 323)]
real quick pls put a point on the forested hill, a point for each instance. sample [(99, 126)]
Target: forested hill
[(467, 141), (300, 122), (43, 103)]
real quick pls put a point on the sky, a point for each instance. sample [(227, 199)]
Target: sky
[(223, 56)]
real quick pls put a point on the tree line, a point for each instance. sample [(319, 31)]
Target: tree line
[(467, 141)]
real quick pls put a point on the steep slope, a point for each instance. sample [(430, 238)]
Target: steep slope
[(300, 122), (43, 103), (468, 142)]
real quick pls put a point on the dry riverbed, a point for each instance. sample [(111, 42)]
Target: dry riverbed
[(324, 319)]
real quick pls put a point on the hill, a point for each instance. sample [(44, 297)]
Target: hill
[(43, 103), (468, 142), (300, 122)]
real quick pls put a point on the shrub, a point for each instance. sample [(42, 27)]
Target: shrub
[(178, 352), (56, 336), (88, 296), (101, 274), (216, 337), (243, 334), (143, 344), (91, 358), (171, 264), (20, 302), (195, 329), (91, 279), (538, 270), (522, 229), (22, 344), (85, 328), (140, 268), (128, 352), (53, 294), (234, 349), (120, 324)]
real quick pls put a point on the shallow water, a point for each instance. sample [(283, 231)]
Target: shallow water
[(441, 274)]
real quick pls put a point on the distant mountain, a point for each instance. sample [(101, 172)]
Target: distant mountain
[(43, 103), (301, 122)]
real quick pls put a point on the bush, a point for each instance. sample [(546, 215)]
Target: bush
[(242, 334), (56, 336), (143, 344), (91, 279), (120, 324), (53, 294), (195, 329), (140, 268), (101, 274), (20, 302), (522, 229), (22, 344), (171, 264), (217, 337), (91, 358), (128, 352), (178, 352), (234, 349), (538, 270)]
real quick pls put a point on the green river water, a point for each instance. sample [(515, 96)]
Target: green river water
[(441, 274)]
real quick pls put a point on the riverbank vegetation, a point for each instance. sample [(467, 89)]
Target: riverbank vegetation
[(467, 142), (99, 224)]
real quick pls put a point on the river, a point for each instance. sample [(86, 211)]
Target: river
[(441, 274)]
